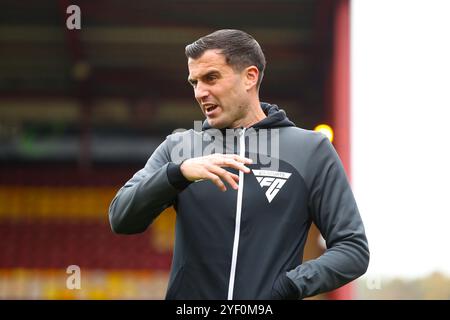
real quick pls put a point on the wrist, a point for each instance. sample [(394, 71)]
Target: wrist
[(176, 177)]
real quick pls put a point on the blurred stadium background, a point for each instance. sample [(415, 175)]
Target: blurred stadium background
[(82, 110)]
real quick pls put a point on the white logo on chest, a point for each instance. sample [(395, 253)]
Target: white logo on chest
[(275, 180)]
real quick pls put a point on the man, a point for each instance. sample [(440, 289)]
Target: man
[(247, 241)]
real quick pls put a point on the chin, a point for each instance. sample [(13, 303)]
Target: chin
[(216, 124)]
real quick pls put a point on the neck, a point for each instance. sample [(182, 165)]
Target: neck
[(254, 115)]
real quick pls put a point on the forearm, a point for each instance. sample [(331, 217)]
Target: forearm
[(337, 266), (140, 201)]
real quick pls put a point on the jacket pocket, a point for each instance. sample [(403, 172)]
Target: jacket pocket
[(175, 286)]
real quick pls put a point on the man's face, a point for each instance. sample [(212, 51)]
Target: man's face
[(219, 89)]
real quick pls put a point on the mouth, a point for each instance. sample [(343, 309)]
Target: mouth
[(209, 109)]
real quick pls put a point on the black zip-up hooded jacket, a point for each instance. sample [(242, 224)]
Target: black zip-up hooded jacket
[(248, 243)]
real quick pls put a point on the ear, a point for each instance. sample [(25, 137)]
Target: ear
[(251, 75)]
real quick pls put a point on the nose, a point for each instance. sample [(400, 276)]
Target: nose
[(200, 92)]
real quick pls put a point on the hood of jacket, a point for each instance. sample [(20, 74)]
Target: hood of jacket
[(276, 118)]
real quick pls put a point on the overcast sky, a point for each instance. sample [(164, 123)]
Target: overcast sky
[(400, 54)]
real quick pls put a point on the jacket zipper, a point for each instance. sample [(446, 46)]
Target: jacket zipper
[(237, 228)]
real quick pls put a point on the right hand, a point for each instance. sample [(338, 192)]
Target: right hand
[(210, 168)]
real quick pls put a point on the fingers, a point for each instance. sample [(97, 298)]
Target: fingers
[(216, 180), (230, 178), (232, 161), (210, 167), (234, 176), (238, 158)]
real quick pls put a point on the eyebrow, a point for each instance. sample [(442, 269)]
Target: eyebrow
[(209, 73)]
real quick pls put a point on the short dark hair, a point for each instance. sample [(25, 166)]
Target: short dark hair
[(240, 49)]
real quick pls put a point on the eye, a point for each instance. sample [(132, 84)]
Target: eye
[(211, 78)]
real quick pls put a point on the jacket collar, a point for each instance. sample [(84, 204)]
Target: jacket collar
[(276, 118)]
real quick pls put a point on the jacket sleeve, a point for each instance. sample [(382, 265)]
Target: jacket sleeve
[(146, 194), (333, 209)]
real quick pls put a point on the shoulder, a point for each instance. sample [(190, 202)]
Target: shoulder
[(305, 150), (303, 137), (180, 136), (181, 133)]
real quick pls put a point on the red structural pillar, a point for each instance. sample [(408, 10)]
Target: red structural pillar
[(340, 101)]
